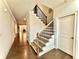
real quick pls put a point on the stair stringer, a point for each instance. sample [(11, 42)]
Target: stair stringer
[(49, 46)]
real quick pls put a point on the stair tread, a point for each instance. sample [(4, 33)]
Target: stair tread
[(41, 37), (49, 30), (42, 41), (50, 33), (45, 41), (39, 43), (45, 35), (36, 48)]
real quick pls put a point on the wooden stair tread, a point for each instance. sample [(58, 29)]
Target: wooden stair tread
[(50, 33), (41, 37), (45, 41), (49, 30), (39, 43), (36, 48), (46, 36)]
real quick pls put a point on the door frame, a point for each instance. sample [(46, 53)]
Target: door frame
[(75, 33)]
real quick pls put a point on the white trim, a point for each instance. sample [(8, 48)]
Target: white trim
[(56, 24), (77, 37), (75, 34), (68, 14)]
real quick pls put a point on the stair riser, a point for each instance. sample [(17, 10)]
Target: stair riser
[(36, 48), (48, 33), (48, 30), (40, 44), (45, 41), (46, 36)]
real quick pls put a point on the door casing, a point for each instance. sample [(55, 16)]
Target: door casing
[(75, 33)]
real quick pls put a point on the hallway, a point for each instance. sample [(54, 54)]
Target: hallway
[(21, 50), (44, 30)]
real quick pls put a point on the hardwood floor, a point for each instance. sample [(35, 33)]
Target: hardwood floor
[(22, 50), (56, 54)]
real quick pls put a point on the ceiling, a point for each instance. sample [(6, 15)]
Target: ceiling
[(51, 3), (20, 8)]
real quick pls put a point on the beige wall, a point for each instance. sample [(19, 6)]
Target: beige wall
[(6, 30), (45, 9)]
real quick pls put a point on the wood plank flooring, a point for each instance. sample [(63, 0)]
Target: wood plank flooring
[(22, 50), (56, 54)]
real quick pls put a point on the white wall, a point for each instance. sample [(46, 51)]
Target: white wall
[(64, 9), (6, 30), (67, 8), (36, 25)]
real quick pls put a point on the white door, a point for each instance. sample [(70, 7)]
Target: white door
[(66, 35)]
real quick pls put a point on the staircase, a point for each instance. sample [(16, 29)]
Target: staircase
[(35, 25), (44, 41), (39, 13)]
